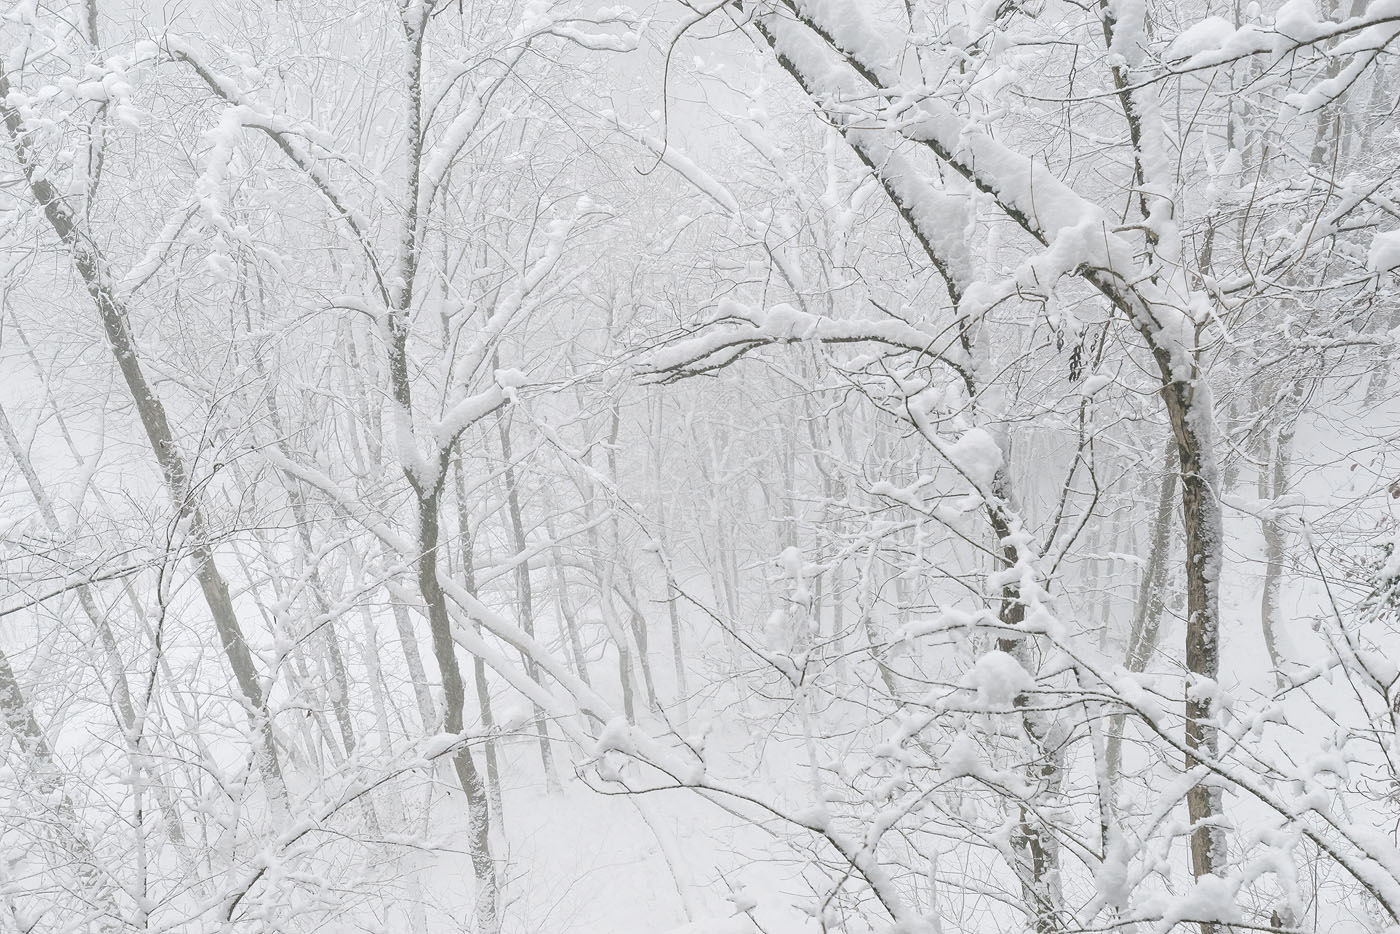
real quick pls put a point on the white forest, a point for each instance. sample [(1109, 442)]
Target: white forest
[(700, 466)]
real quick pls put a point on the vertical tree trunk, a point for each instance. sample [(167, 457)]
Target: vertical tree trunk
[(1191, 414), (1200, 509), (440, 624), (483, 689), (408, 643), (567, 615), (301, 517), (663, 557), (1033, 843), (425, 476), (629, 588), (1151, 600), (524, 593), (126, 711), (607, 607), (1273, 483), (19, 718), (673, 614)]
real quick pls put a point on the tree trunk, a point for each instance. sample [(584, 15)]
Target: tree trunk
[(567, 615), (607, 608), (1273, 483), (1190, 420), (1151, 601), (629, 587), (478, 813), (524, 593), (483, 689), (98, 278)]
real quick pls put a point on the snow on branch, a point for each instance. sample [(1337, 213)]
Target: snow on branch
[(288, 135), (737, 328), (1084, 237)]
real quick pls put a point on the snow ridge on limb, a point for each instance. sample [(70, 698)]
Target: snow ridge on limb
[(534, 24), (287, 134), (1083, 238), (438, 157), (736, 328), (1296, 32)]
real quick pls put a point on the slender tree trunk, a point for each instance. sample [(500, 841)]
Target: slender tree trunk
[(663, 557), (1378, 382), (479, 832), (329, 636), (1151, 600), (629, 587), (408, 643), (1191, 413), (607, 607), (524, 592), (1033, 842), (427, 489), (567, 615), (673, 614), (126, 712), (1190, 420), (483, 689), (20, 720), (301, 517), (173, 827), (1273, 483)]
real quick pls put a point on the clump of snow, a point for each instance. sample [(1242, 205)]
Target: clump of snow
[(784, 322), (977, 455), (1382, 669), (946, 619), (998, 679), (129, 116), (1385, 252), (1298, 20), (514, 715), (962, 758), (1144, 702), (1206, 36), (1199, 688), (616, 737), (1111, 879), (741, 898), (437, 745), (1210, 898), (776, 631), (1094, 384), (1224, 177), (511, 378), (816, 817)]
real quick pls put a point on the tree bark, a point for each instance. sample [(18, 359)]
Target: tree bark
[(1202, 521)]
